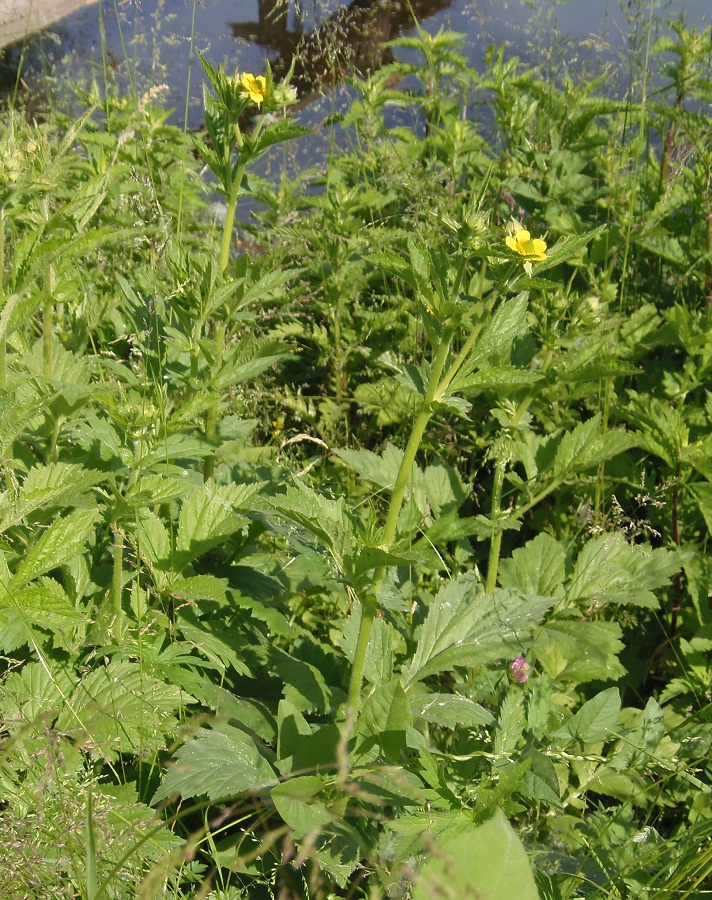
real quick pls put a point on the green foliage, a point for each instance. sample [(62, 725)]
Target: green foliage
[(371, 560)]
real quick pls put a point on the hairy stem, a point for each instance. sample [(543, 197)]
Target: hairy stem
[(117, 582), (369, 603), (496, 541), (211, 416)]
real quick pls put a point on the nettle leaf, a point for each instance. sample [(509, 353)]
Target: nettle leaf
[(379, 469), (326, 519), (152, 540), (512, 721), (451, 711), (119, 708), (207, 517), (220, 763), (637, 746), (153, 489), (487, 863), (702, 492), (466, 627), (580, 651), (539, 567), (35, 695), (662, 427), (494, 378), (200, 587), (506, 323), (594, 722), (444, 488), (58, 484), (63, 539), (586, 446), (610, 570)]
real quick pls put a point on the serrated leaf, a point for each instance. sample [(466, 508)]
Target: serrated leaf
[(494, 378), (62, 540), (207, 517), (220, 763), (539, 567), (451, 711), (610, 570), (586, 446), (119, 708), (465, 626), (580, 651), (594, 722), (200, 587), (506, 323)]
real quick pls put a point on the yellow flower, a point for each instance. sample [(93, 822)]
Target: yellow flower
[(523, 243), (255, 87)]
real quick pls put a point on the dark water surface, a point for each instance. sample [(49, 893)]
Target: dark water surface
[(154, 41)]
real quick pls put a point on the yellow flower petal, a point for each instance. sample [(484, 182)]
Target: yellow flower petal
[(525, 245), (255, 87)]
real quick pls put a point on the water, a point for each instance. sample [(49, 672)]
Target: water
[(154, 41)]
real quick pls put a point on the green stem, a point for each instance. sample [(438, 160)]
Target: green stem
[(117, 582), (338, 355), (369, 603), (211, 416), (496, 541), (230, 216)]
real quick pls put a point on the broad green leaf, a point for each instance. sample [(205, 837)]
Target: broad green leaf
[(539, 567), (151, 489), (220, 763), (304, 685), (119, 708), (208, 515), (386, 710), (610, 570), (58, 484), (483, 863), (326, 519), (541, 780), (379, 655), (62, 540), (44, 595), (593, 723), (380, 469), (152, 540), (577, 651), (466, 627), (639, 744), (507, 322), (444, 488), (512, 720), (213, 640), (200, 587), (586, 446), (295, 801), (451, 711), (34, 695), (494, 378)]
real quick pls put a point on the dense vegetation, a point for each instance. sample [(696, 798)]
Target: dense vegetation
[(366, 556)]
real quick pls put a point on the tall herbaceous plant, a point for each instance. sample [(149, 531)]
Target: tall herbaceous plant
[(359, 549)]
